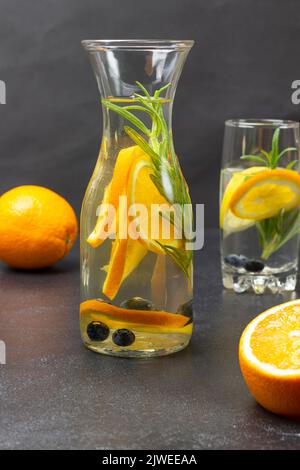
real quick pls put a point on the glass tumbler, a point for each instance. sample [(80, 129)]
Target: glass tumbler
[(260, 205)]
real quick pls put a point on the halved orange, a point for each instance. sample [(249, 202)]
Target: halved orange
[(269, 354), (264, 195)]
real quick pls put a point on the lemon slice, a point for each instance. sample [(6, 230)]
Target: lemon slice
[(264, 195), (229, 222)]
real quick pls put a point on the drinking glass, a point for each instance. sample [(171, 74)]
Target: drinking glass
[(259, 205)]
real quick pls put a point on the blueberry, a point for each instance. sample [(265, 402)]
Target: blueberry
[(97, 331), (236, 261), (186, 309), (123, 337), (254, 265), (137, 303)]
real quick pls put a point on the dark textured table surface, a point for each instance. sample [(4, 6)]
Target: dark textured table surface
[(56, 394)]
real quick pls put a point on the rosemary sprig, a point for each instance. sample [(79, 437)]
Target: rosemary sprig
[(157, 143), (127, 115), (180, 257), (271, 159), (274, 232)]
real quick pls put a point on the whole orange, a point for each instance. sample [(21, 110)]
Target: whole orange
[(37, 227)]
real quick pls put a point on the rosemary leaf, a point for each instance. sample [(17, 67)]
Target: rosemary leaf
[(143, 89), (275, 145), (127, 115), (161, 90), (268, 157), (291, 164), (254, 158), (135, 136), (288, 149)]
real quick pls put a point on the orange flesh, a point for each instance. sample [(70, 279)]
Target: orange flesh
[(116, 268), (121, 172), (276, 339), (145, 317), (271, 178)]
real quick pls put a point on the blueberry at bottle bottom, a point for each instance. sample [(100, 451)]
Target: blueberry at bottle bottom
[(134, 332), (147, 345)]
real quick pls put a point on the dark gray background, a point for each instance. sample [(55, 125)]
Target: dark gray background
[(55, 394), (247, 53)]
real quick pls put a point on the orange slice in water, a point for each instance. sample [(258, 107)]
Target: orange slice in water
[(228, 221), (266, 194), (142, 191), (116, 188), (142, 317)]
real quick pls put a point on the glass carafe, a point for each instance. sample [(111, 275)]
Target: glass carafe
[(136, 267)]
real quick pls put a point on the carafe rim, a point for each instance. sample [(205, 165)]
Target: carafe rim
[(137, 44)]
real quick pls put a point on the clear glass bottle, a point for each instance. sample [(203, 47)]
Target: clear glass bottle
[(136, 280)]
